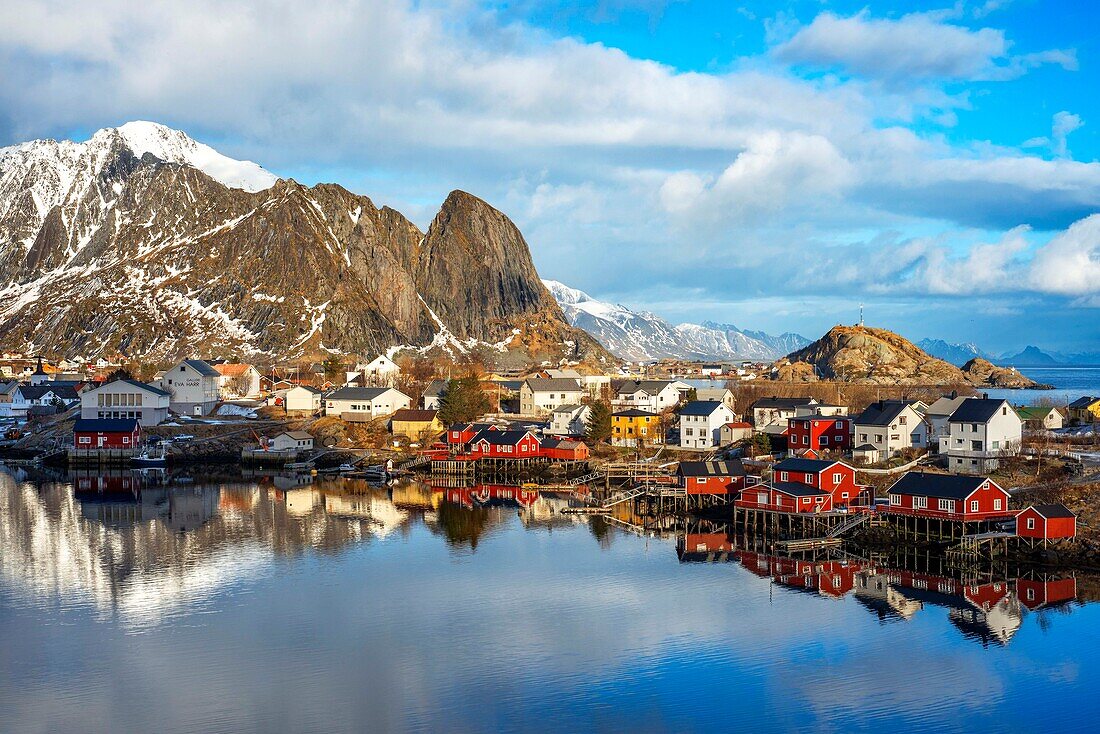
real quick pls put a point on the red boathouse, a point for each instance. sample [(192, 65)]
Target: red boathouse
[(948, 497), (835, 477), (106, 433), (1046, 522)]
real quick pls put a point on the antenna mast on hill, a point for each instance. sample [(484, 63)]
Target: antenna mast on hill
[(861, 314)]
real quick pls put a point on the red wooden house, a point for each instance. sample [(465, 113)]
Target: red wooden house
[(461, 434), (1037, 593), (1046, 522), (563, 450), (785, 497), (712, 477), (819, 432), (493, 444), (835, 477), (948, 497), (106, 433)]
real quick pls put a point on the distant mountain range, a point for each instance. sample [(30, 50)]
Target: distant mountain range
[(640, 335), (1030, 356)]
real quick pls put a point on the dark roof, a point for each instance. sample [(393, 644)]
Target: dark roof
[(473, 427), (701, 407), (633, 413), (105, 425), (941, 486), (202, 367), (139, 385), (411, 414), (1083, 402), (811, 466), (882, 413), (777, 402), (35, 392), (797, 490), (311, 388), (435, 389), (865, 447), (553, 384), (1054, 510), (500, 438), (356, 393), (731, 468), (976, 410)]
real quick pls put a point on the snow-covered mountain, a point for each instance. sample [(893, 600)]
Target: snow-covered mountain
[(143, 242), (639, 335), (956, 354)]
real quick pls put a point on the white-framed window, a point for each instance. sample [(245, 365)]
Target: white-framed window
[(805, 500), (947, 505), (810, 479), (1031, 523), (85, 439), (838, 478), (782, 476), (840, 424), (920, 503), (895, 499), (997, 503), (702, 480), (973, 505)]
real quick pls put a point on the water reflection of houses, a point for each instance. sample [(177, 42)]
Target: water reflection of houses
[(379, 512)]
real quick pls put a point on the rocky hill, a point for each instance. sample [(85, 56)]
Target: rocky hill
[(877, 356), (143, 242), (866, 355), (984, 373)]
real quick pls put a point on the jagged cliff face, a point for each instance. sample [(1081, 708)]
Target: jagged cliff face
[(863, 354), (143, 242)]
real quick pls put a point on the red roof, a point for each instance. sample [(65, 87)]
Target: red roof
[(741, 424)]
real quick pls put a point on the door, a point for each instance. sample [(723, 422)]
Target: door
[(198, 410), (101, 441)]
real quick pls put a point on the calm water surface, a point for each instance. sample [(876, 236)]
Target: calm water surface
[(263, 606)]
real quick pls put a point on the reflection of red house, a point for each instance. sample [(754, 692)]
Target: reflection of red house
[(1035, 594), (831, 578), (835, 477), (785, 497), (491, 494), (949, 497), (712, 477), (821, 433), (986, 596), (1046, 522), (106, 433)]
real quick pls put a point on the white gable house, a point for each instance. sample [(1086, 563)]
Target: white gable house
[(126, 399), (193, 385), (353, 403), (701, 424)]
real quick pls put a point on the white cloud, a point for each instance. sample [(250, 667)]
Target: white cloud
[(1063, 124), (1070, 262), (914, 47)]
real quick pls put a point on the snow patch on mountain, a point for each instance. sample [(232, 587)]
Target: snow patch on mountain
[(176, 147)]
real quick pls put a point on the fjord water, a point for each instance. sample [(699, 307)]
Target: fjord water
[(268, 605)]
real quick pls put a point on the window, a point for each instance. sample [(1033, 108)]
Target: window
[(85, 439), (840, 424), (947, 505), (973, 505), (995, 445), (1031, 523), (838, 478), (863, 437), (810, 479), (805, 500), (902, 420), (702, 480), (920, 503), (782, 476), (997, 504), (895, 499)]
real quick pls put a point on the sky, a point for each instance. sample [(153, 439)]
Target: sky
[(770, 164)]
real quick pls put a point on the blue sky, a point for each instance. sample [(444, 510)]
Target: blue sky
[(771, 165)]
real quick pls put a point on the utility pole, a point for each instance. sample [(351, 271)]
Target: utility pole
[(861, 314)]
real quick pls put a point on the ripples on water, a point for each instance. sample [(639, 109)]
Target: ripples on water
[(269, 605)]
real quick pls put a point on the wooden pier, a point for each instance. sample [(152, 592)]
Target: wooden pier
[(100, 457)]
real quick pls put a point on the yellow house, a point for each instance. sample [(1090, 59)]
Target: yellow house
[(631, 427), (1085, 410), (416, 424)]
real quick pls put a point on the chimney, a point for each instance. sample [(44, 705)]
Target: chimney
[(985, 396), (954, 394)]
